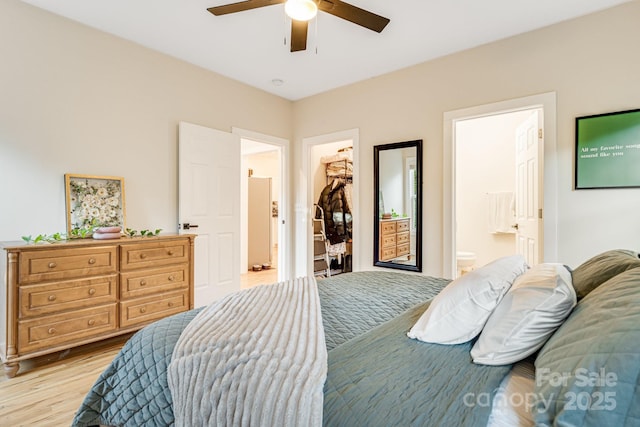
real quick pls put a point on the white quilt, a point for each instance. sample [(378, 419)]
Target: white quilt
[(255, 358)]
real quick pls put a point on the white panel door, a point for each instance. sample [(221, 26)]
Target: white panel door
[(209, 206), (528, 201)]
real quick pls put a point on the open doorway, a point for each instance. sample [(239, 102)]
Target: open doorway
[(486, 184), (264, 197), (314, 172), (546, 215), (260, 198), (331, 166)]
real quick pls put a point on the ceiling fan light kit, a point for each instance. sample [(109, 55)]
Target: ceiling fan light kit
[(301, 10)]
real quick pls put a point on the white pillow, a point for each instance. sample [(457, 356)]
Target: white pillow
[(458, 313), (535, 306)]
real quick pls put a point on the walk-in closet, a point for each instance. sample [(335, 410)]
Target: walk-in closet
[(333, 208)]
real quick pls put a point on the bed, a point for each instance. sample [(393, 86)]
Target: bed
[(381, 363)]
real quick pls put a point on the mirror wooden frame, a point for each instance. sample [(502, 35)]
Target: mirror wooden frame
[(377, 149)]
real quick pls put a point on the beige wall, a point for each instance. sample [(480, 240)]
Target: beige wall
[(592, 65), (73, 99)]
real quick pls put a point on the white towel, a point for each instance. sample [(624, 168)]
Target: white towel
[(501, 212)]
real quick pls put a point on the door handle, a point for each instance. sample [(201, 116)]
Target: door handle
[(187, 226)]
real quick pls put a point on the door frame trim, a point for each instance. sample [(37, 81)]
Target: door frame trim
[(545, 101), (284, 205)]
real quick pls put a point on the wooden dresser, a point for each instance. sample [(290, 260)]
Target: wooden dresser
[(394, 238), (61, 295)]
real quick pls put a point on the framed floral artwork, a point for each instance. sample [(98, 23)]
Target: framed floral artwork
[(94, 201)]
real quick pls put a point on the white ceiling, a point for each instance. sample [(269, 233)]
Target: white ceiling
[(249, 46)]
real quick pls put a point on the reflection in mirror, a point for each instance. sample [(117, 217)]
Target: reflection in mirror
[(398, 211)]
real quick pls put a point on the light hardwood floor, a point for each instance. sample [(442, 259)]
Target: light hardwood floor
[(262, 277), (49, 390), (255, 278)]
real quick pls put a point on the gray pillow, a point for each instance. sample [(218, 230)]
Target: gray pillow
[(588, 373), (597, 270)]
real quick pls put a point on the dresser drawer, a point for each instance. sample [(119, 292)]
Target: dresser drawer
[(153, 281), (388, 227), (153, 254), (59, 296), (147, 309), (402, 225), (387, 253), (402, 238), (388, 241), (60, 264), (55, 330), (402, 249)]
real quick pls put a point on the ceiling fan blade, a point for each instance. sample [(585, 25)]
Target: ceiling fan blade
[(242, 6), (354, 14), (299, 35)]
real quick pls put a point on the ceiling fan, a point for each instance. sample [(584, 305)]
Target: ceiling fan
[(299, 25)]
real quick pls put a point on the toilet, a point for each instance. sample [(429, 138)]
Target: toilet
[(465, 262)]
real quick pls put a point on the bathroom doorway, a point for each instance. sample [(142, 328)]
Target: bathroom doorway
[(545, 215), (486, 185)]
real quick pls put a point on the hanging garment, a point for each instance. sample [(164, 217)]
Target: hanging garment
[(337, 216)]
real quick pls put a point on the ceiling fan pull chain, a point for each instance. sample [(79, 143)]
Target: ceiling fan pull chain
[(316, 29), (285, 26)]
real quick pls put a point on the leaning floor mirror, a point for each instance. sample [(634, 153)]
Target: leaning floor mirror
[(398, 212)]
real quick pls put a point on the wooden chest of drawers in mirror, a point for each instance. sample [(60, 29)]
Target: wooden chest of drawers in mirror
[(394, 238), (71, 293)]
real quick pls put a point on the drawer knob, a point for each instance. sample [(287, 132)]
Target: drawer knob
[(92, 291), (143, 310), (143, 256), (92, 261), (170, 303), (172, 278), (51, 331), (52, 265), (52, 298), (91, 322), (143, 282), (170, 252)]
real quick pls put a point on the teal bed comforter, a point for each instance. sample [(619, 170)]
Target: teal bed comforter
[(382, 378), (377, 376)]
